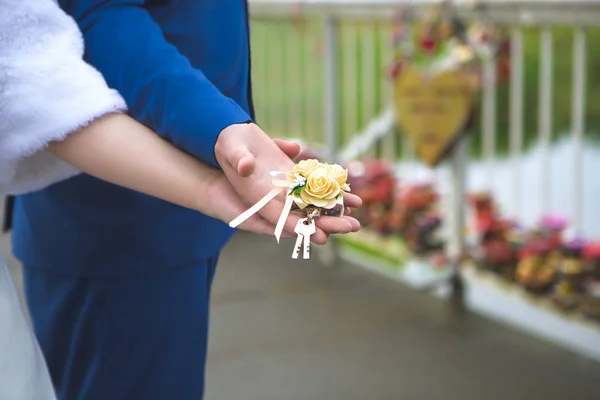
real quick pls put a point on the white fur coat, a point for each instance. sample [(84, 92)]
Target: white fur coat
[(46, 92)]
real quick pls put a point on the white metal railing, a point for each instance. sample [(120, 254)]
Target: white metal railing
[(544, 15), (516, 12)]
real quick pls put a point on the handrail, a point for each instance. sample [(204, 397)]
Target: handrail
[(350, 102), (514, 12)]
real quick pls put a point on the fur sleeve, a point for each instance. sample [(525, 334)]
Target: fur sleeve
[(46, 92)]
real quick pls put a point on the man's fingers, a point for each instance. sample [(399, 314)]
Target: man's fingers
[(245, 165), (232, 150), (237, 154), (290, 149)]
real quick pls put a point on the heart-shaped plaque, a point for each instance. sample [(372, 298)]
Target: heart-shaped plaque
[(433, 110)]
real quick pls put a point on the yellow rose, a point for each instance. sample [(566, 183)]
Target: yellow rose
[(321, 189), (340, 174), (304, 168)]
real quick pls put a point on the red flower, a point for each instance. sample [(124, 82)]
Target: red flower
[(592, 251), (394, 70), (484, 37), (428, 43)]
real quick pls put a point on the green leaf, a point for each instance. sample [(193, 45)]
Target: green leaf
[(298, 190)]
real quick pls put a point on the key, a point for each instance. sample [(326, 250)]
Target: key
[(308, 229), (298, 230)]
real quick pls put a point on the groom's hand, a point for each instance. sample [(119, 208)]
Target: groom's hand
[(247, 155)]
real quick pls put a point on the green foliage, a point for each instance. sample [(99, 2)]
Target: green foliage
[(298, 190)]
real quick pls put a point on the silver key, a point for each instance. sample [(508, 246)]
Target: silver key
[(298, 230), (309, 230), (304, 229)]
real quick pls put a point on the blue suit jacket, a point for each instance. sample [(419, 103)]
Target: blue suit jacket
[(183, 67)]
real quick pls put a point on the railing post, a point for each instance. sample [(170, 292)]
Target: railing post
[(578, 123), (331, 101), (456, 217), (331, 253), (545, 115), (516, 115), (456, 212), (489, 119)]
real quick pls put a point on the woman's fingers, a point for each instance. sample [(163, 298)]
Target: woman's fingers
[(332, 225), (352, 200)]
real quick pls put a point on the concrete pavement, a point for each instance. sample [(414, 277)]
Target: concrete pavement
[(294, 330)]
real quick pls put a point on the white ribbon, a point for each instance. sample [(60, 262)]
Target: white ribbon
[(281, 184), (340, 201)]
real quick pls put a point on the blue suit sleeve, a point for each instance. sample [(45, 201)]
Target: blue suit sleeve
[(160, 86)]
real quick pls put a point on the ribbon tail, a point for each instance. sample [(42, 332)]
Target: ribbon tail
[(340, 201), (256, 208), (283, 217)]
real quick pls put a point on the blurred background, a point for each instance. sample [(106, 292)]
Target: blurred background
[(474, 277)]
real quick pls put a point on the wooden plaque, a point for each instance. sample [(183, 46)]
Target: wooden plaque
[(433, 110)]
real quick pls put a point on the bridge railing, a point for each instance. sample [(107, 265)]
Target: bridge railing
[(319, 75)]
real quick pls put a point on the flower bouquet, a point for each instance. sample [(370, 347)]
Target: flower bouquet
[(313, 187)]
